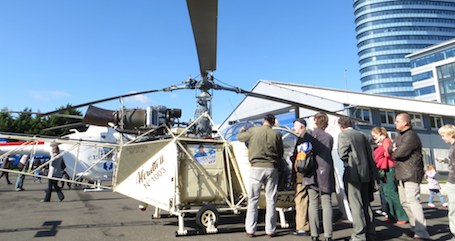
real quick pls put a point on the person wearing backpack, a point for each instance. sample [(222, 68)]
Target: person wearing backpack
[(302, 226)]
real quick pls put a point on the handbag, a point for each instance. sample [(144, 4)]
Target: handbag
[(305, 162)]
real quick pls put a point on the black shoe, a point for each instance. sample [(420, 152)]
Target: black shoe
[(410, 234), (314, 238), (328, 239), (61, 199)]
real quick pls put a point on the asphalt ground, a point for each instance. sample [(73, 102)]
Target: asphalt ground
[(95, 216)]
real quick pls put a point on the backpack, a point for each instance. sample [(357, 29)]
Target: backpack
[(304, 162)]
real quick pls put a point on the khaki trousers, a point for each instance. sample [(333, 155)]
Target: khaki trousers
[(301, 208)]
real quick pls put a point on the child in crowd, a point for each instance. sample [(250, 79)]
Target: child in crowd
[(433, 185)]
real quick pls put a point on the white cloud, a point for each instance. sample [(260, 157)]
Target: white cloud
[(140, 99)]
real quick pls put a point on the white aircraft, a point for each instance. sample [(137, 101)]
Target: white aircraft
[(88, 155)]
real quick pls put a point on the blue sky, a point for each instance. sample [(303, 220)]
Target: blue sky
[(58, 52)]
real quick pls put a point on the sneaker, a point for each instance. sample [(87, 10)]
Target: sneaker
[(402, 222), (250, 235), (300, 233), (19, 189), (431, 205), (380, 212), (445, 205)]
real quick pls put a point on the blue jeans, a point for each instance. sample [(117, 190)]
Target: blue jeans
[(20, 178), (20, 181), (441, 197), (269, 178)]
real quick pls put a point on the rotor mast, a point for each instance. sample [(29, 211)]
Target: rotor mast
[(204, 18)]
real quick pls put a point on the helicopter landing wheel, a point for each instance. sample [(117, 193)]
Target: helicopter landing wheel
[(208, 217)]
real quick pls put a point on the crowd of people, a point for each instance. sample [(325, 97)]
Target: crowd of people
[(396, 169)]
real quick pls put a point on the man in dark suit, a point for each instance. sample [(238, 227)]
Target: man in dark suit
[(359, 174)]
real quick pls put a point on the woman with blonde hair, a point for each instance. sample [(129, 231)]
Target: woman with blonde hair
[(447, 133), (386, 164)]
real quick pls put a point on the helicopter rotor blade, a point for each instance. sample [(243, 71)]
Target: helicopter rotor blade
[(203, 15), (64, 126), (101, 100), (280, 100), (189, 85), (39, 114)]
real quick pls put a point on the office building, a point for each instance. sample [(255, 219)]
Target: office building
[(388, 30), (433, 72)]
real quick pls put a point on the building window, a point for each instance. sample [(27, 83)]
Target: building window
[(436, 122), (387, 117), (422, 76), (446, 79), (425, 90), (416, 120), (363, 114)]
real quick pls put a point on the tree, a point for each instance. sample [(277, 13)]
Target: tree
[(24, 122), (28, 122), (6, 121), (57, 120)]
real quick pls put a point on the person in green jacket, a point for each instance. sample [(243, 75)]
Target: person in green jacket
[(265, 151)]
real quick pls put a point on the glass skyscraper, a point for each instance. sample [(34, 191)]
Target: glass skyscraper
[(388, 30)]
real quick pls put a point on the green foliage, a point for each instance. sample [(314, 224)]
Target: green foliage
[(27, 122), (6, 121)]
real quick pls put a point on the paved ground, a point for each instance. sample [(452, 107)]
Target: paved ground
[(110, 216)]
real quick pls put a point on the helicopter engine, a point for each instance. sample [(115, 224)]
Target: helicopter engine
[(132, 120)]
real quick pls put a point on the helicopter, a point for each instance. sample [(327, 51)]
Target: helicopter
[(160, 153), (89, 155)]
